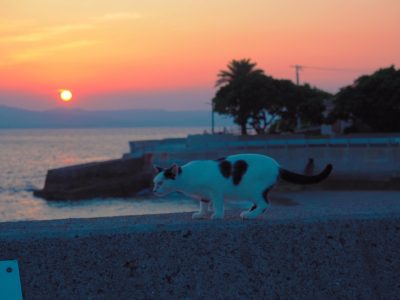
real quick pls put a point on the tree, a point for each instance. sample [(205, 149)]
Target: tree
[(261, 101), (300, 103), (239, 85), (373, 100), (237, 70), (255, 99)]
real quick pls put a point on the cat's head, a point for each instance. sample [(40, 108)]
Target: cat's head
[(165, 181)]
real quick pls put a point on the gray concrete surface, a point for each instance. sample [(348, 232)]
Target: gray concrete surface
[(321, 246)]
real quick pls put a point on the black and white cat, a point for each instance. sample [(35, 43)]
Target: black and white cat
[(238, 177)]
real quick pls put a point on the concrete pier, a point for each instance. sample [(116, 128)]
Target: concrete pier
[(313, 250), (112, 178)]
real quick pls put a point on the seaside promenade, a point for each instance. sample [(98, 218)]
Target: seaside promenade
[(323, 245)]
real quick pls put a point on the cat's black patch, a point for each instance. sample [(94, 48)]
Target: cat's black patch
[(226, 168), (239, 169), (169, 174), (265, 194), (205, 200), (253, 207)]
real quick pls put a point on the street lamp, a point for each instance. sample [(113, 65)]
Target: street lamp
[(212, 117)]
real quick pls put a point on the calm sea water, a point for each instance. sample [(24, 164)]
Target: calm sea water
[(26, 155)]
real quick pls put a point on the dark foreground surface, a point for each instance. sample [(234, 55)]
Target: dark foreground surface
[(315, 248)]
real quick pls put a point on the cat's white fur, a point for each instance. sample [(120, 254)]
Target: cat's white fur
[(204, 180)]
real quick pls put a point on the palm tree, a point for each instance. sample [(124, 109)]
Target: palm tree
[(237, 70), (233, 97)]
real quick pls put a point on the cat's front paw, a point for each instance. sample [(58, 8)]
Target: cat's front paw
[(216, 216), (199, 215)]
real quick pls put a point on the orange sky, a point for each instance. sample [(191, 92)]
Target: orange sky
[(128, 54)]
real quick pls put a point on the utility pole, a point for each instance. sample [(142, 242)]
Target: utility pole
[(297, 70), (212, 116)]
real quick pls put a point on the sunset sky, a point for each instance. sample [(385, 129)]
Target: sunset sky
[(166, 54)]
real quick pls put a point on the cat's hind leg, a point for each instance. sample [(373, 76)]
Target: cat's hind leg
[(255, 211), (261, 203), (202, 213)]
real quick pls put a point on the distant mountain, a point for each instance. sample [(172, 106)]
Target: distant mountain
[(11, 117)]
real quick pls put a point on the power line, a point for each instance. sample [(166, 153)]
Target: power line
[(298, 68)]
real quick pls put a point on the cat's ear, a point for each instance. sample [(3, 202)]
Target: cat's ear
[(175, 169), (158, 169)]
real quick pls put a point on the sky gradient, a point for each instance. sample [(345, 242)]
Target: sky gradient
[(166, 54)]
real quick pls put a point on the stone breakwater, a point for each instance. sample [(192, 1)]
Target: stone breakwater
[(113, 178), (173, 257)]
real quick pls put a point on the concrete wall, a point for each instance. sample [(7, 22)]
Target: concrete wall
[(361, 157), (173, 257)]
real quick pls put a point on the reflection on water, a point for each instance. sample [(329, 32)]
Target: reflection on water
[(28, 208), (26, 155)]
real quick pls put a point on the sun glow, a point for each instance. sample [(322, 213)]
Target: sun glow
[(65, 95)]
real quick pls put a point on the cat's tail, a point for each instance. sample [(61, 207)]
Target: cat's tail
[(304, 179)]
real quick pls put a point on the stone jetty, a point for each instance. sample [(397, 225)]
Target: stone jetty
[(113, 178)]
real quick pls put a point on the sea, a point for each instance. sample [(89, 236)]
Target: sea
[(27, 154)]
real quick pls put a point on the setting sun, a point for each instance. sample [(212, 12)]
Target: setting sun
[(65, 95)]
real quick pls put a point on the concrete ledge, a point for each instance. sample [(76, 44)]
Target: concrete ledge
[(171, 256)]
